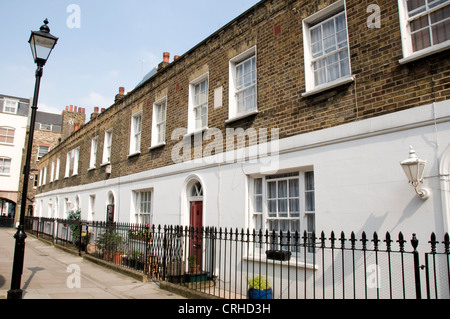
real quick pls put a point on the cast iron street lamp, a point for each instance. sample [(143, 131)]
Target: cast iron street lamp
[(42, 44)]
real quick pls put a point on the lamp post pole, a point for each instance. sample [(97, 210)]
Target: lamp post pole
[(42, 43), (15, 292)]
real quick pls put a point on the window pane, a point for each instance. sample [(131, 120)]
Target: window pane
[(282, 189), (272, 208), (441, 32), (309, 202), (415, 6), (272, 189), (309, 180), (421, 40), (294, 207), (258, 185), (282, 207), (434, 3), (258, 204), (293, 188), (441, 29)]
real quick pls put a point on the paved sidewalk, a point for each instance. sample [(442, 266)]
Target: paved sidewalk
[(48, 272)]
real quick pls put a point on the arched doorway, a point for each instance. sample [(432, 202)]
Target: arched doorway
[(110, 208), (195, 199)]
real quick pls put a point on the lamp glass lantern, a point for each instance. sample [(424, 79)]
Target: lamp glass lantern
[(42, 43), (414, 168)]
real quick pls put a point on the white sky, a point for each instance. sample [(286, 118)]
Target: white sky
[(113, 43)]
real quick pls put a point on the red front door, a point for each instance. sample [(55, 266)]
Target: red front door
[(196, 231)]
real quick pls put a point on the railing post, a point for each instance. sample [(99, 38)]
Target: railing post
[(415, 244), (164, 261), (80, 241)]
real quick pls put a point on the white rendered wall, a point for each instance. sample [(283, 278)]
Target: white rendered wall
[(359, 184)]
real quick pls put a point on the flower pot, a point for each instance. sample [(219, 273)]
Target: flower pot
[(117, 257), (260, 293), (107, 255)]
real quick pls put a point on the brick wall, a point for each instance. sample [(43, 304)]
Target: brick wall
[(381, 85)]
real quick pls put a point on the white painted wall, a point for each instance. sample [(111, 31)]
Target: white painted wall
[(359, 184)]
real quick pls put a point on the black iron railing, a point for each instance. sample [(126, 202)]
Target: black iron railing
[(6, 222), (221, 262)]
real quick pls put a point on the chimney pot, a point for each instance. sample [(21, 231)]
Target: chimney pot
[(71, 108), (122, 90), (166, 56), (176, 57), (95, 109), (103, 109)]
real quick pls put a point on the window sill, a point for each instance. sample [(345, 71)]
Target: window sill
[(134, 154), (426, 52), (197, 131), (241, 116), (91, 168), (328, 86), (105, 164), (157, 146)]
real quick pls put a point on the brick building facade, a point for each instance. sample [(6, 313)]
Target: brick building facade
[(50, 130), (342, 88)]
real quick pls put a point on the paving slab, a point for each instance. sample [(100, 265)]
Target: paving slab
[(51, 273)]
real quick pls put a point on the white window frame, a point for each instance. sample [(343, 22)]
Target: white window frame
[(8, 135), (45, 127), (260, 219), (44, 176), (76, 159), (193, 105), (93, 156), (309, 23), (91, 207), (72, 162), (41, 173), (58, 168), (143, 217), (107, 146), (2, 167), (39, 156), (12, 109), (135, 134), (234, 63), (408, 54), (52, 172), (159, 123)]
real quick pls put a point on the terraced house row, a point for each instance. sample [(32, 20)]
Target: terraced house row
[(293, 116)]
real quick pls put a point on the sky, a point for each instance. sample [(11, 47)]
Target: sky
[(103, 45)]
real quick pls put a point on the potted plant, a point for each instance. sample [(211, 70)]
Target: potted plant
[(259, 288), (111, 243), (193, 267)]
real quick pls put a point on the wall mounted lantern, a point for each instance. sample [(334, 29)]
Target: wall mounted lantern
[(414, 168)]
